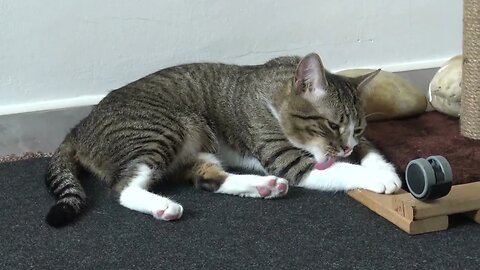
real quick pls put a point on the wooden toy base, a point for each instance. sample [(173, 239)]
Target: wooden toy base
[(416, 217)]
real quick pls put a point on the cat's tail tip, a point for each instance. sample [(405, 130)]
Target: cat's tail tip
[(60, 215)]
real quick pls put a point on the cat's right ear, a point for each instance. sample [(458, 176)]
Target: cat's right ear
[(363, 80), (310, 79)]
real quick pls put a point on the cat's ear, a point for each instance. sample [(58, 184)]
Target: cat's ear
[(310, 79), (363, 80)]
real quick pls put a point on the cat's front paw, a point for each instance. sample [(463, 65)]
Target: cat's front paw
[(383, 174), (382, 181), (376, 162)]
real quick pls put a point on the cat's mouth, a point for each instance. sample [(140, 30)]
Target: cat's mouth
[(339, 152), (347, 151), (329, 159)]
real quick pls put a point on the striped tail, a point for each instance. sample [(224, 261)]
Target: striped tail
[(62, 181)]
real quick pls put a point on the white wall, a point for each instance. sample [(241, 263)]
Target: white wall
[(61, 53)]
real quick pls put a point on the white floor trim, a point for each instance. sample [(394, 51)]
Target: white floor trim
[(408, 66), (48, 105)]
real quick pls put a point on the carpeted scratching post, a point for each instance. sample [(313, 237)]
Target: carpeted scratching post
[(470, 109)]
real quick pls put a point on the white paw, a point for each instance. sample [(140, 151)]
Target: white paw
[(385, 179), (382, 181), (254, 186), (376, 161), (169, 211)]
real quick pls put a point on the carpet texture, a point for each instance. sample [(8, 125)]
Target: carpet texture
[(429, 134), (304, 230)]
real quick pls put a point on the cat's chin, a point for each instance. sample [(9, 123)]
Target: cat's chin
[(347, 153), (316, 151)]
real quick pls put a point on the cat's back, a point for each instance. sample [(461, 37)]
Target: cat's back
[(171, 88), (205, 76), (190, 84)]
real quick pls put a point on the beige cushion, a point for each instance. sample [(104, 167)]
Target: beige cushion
[(389, 96)]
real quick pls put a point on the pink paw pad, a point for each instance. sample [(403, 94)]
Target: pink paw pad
[(158, 213), (272, 182), (263, 191), (161, 215), (282, 187)]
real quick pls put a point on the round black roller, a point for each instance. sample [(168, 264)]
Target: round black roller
[(429, 179)]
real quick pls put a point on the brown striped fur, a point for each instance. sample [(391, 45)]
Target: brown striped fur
[(166, 118)]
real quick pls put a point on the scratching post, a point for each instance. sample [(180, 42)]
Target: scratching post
[(470, 109)]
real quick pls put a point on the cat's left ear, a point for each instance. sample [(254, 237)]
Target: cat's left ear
[(363, 80), (310, 79)]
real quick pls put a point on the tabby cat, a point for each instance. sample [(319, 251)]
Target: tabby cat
[(288, 118)]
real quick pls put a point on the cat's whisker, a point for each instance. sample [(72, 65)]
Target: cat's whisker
[(375, 113)]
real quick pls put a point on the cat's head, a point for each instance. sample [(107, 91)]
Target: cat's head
[(322, 112)]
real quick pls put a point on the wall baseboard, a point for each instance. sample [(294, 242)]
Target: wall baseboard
[(37, 131), (41, 126), (414, 66), (48, 105)]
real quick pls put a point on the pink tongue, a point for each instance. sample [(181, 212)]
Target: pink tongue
[(326, 164)]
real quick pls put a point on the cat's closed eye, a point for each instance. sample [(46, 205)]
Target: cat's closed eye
[(333, 126), (306, 117), (358, 131)]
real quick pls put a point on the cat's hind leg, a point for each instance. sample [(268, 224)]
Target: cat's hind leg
[(135, 196), (208, 174)]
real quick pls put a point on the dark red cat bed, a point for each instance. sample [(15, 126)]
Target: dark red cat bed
[(429, 134)]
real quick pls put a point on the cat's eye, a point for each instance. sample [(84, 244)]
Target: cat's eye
[(333, 126), (358, 131)]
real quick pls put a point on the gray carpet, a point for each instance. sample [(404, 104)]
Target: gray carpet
[(305, 230)]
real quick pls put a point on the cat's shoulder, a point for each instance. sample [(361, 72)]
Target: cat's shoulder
[(283, 61)]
